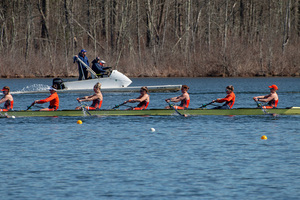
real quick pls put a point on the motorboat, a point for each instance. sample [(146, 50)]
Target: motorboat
[(115, 79)]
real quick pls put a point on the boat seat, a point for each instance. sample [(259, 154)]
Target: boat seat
[(105, 74)]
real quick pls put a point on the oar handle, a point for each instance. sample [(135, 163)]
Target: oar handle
[(258, 104), (117, 106), (204, 105)]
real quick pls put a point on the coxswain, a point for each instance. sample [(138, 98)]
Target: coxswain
[(143, 100), (7, 100), (229, 99), (271, 99), (97, 99), (53, 99), (184, 98)]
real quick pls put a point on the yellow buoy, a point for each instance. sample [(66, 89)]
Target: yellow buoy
[(264, 137), (79, 122)]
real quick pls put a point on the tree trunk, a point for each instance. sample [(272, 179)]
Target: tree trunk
[(187, 40), (44, 10), (286, 28), (138, 30)]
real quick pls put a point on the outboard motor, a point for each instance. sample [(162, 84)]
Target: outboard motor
[(59, 83)]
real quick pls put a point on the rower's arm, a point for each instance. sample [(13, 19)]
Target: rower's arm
[(50, 98), (3, 99), (267, 98), (90, 98), (259, 97), (263, 98), (226, 99), (141, 99), (85, 97), (177, 99)]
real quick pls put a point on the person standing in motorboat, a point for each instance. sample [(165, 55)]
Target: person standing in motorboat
[(83, 73)]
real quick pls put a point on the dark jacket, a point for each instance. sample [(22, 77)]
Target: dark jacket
[(84, 59), (97, 68)]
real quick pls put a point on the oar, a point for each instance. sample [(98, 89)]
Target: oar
[(259, 105), (117, 106), (29, 107), (264, 110), (2, 114), (6, 115), (84, 109), (122, 104), (183, 115), (204, 105)]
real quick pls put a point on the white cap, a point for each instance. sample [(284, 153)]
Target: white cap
[(102, 61), (51, 88)]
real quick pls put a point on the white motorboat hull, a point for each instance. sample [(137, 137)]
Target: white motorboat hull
[(155, 88), (115, 80)]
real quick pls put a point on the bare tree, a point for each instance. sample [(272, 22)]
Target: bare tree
[(157, 37)]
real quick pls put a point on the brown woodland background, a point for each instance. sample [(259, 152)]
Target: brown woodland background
[(151, 37)]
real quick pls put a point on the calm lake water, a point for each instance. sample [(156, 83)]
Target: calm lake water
[(118, 157)]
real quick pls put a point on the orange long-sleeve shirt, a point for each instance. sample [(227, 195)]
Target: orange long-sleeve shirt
[(229, 99), (54, 101)]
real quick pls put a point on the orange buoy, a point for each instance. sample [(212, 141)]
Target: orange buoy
[(264, 137)]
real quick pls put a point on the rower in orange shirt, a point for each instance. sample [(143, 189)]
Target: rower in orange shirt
[(143, 100), (229, 99), (7, 99), (184, 98), (53, 98), (271, 99)]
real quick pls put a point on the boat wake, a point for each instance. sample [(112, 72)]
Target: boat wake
[(35, 88)]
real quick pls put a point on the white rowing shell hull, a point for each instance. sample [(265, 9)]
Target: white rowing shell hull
[(115, 80)]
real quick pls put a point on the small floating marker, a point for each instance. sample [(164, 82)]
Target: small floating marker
[(79, 122), (264, 137), (152, 129), (13, 117)]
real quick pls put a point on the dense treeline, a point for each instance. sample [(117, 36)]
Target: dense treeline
[(151, 37)]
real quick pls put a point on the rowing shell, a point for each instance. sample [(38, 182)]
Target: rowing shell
[(237, 111)]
